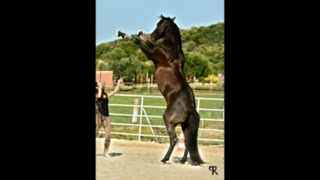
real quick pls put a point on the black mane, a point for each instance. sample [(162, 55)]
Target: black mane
[(172, 35)]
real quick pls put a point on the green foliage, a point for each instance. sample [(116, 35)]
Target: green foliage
[(203, 49), (102, 49), (196, 65)]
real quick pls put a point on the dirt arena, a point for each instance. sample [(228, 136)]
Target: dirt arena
[(141, 160)]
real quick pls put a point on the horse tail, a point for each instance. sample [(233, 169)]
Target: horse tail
[(194, 121)]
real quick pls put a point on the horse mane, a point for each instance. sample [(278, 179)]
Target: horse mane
[(173, 35)]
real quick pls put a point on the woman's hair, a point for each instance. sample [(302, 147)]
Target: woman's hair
[(103, 89)]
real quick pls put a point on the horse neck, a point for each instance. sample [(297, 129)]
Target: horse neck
[(173, 35), (172, 42)]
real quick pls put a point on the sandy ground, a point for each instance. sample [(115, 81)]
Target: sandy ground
[(141, 160)]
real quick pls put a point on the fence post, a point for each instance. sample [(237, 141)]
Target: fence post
[(198, 109), (135, 110), (140, 118)]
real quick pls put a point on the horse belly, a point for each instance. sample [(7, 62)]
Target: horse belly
[(178, 110)]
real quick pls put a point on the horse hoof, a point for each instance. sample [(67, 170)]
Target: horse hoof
[(182, 161), (163, 161), (197, 163), (201, 162)]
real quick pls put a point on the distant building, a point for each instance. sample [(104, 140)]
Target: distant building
[(106, 77)]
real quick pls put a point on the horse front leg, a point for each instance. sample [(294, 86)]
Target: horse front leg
[(173, 141), (146, 47), (186, 137)]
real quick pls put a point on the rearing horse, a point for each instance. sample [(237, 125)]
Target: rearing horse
[(168, 59)]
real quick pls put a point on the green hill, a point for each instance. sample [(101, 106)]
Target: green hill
[(203, 49)]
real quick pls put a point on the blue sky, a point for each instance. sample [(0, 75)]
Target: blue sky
[(131, 15)]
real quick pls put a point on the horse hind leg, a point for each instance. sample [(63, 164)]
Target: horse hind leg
[(194, 120), (173, 141)]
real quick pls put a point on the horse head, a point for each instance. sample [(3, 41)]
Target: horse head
[(162, 27)]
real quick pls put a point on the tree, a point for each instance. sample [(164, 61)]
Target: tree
[(117, 53), (101, 65), (134, 68), (203, 48), (196, 65), (102, 49)]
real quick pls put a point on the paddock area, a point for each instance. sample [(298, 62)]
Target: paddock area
[(141, 160)]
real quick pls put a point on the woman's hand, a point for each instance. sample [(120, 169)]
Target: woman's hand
[(99, 85), (120, 80), (116, 89)]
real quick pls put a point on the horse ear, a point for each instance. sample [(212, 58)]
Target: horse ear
[(173, 18), (161, 16)]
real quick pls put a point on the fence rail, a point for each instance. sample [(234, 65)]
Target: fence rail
[(141, 112)]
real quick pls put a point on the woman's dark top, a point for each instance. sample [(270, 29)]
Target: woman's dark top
[(103, 104)]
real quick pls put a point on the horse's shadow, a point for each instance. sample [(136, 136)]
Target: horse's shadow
[(189, 161), (113, 154), (178, 159)]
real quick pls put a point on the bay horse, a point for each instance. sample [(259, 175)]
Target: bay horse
[(168, 59)]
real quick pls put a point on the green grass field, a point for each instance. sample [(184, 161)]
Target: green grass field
[(148, 101)]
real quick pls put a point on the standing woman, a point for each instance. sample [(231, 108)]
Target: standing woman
[(102, 101)]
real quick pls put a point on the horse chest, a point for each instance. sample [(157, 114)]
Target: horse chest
[(164, 74), (167, 80)]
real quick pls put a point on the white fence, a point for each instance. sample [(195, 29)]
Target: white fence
[(139, 111)]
